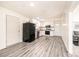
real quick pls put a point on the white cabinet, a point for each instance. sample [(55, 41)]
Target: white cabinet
[(42, 33)]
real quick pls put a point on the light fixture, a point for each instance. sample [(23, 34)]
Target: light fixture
[(31, 4)]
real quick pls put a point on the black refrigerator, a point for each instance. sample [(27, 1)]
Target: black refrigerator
[(28, 32)]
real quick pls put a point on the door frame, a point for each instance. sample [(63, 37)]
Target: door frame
[(6, 28)]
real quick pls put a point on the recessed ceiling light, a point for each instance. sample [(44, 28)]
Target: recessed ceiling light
[(31, 4)]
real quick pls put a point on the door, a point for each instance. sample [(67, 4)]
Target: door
[(13, 30)]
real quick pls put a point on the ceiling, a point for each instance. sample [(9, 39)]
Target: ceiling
[(44, 9)]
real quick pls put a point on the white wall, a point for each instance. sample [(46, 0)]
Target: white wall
[(57, 31), (2, 31), (3, 13), (53, 22), (64, 29), (67, 28), (74, 17)]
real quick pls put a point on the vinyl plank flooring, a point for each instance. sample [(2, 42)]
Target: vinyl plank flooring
[(52, 46)]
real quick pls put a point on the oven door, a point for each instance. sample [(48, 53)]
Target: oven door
[(47, 32)]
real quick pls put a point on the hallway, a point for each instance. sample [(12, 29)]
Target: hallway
[(43, 47)]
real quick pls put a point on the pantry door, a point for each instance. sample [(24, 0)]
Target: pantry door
[(13, 30)]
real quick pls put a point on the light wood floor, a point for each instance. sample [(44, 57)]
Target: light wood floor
[(42, 47)]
